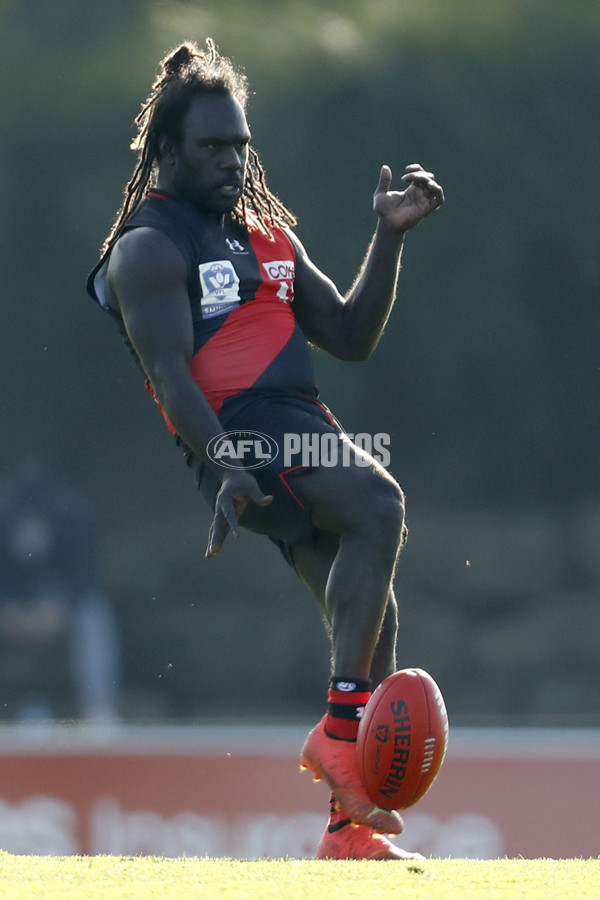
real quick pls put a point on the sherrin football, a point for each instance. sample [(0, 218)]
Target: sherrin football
[(402, 738)]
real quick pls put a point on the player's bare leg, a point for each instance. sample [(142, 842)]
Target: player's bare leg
[(342, 838), (384, 659), (349, 567), (362, 509), (313, 563)]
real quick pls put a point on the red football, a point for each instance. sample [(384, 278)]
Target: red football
[(402, 738)]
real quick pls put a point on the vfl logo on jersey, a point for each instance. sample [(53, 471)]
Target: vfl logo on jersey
[(220, 288), (283, 271)]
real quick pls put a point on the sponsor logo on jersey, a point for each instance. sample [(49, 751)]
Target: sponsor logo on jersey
[(283, 271), (235, 246), (220, 287), (280, 269)]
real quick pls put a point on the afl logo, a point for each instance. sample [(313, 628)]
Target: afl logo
[(242, 449)]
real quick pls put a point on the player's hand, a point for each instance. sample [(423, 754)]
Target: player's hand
[(402, 210), (239, 488)]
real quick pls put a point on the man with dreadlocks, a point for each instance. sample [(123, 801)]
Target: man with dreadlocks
[(218, 300)]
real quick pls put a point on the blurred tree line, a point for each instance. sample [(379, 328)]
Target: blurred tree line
[(487, 375)]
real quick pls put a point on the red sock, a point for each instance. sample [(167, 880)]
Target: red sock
[(346, 701)]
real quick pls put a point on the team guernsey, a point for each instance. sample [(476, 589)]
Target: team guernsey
[(251, 359), (241, 290)]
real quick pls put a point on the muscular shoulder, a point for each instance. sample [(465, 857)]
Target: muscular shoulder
[(296, 243), (143, 259), (144, 250)]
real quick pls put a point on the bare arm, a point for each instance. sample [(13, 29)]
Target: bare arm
[(350, 327), (147, 282)]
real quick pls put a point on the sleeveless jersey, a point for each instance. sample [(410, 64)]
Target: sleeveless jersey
[(241, 290)]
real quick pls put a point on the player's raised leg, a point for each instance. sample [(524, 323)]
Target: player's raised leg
[(349, 567), (362, 508), (313, 562)]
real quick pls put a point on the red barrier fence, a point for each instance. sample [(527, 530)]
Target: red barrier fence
[(236, 791)]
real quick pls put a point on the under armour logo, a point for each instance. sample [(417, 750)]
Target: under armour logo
[(235, 246)]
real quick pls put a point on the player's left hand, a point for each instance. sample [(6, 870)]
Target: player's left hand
[(402, 210)]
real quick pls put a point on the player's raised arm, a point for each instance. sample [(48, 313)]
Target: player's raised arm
[(350, 327)]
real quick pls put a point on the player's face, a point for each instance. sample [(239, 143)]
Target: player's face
[(209, 166)]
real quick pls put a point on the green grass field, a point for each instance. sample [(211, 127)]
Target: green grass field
[(125, 878)]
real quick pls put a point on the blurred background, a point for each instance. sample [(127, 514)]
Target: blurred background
[(486, 378)]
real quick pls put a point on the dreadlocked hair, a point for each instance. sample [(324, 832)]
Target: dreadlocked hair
[(186, 73)]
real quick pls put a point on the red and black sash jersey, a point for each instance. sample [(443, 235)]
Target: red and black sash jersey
[(241, 290)]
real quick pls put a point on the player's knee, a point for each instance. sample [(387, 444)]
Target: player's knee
[(390, 509)]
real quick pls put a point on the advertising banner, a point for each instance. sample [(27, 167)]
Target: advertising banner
[(238, 792)]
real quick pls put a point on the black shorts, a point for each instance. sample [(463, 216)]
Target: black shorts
[(288, 519)]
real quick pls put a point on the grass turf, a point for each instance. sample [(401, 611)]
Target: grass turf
[(125, 878)]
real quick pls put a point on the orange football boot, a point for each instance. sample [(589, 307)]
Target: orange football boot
[(335, 762), (352, 841)]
